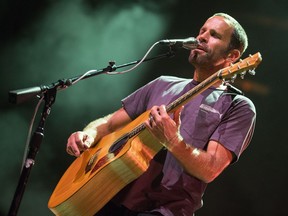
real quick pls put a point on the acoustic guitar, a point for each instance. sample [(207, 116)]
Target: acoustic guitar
[(95, 177)]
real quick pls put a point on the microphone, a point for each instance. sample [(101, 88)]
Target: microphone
[(188, 43)]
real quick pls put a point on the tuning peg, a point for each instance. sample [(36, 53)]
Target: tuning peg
[(242, 75), (252, 72), (232, 79)]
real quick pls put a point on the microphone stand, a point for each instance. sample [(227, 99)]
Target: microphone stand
[(49, 94)]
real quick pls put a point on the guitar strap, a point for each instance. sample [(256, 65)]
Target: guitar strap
[(233, 89)]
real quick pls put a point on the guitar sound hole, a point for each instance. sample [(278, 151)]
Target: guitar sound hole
[(119, 143), (92, 161)]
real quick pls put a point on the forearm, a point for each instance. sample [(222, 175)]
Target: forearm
[(204, 165), (106, 125), (194, 161), (98, 128)]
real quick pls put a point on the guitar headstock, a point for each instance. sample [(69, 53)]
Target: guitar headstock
[(248, 64)]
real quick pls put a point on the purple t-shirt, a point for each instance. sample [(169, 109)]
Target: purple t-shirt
[(215, 114)]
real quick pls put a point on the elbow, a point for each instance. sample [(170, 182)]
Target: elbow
[(211, 172), (208, 178), (209, 175)]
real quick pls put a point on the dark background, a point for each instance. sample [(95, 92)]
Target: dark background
[(44, 41)]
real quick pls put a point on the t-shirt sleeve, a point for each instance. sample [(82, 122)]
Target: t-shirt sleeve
[(157, 92), (237, 127), (136, 103)]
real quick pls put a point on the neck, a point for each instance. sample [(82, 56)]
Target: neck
[(200, 76)]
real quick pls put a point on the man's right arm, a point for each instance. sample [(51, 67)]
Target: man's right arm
[(81, 140)]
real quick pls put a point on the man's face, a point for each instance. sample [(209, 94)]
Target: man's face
[(214, 37)]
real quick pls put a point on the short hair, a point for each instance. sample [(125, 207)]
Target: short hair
[(239, 39)]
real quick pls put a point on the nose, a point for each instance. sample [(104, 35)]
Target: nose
[(203, 37)]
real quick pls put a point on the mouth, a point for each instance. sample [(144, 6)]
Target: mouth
[(202, 47)]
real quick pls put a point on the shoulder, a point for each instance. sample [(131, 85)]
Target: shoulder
[(241, 100), (171, 79), (238, 98)]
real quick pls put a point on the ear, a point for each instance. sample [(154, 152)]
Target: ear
[(233, 56)]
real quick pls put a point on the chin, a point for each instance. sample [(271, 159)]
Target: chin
[(193, 57)]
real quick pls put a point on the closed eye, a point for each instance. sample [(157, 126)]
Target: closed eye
[(213, 33)]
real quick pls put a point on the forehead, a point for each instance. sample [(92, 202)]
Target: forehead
[(218, 24)]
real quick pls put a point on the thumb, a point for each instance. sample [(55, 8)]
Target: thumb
[(88, 141), (177, 115)]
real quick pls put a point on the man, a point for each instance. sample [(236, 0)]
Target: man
[(201, 139)]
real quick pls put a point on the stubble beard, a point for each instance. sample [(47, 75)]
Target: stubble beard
[(201, 60)]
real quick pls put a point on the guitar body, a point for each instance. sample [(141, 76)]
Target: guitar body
[(99, 174)]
